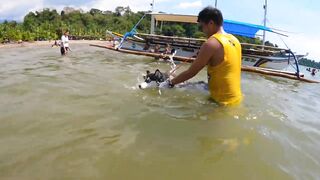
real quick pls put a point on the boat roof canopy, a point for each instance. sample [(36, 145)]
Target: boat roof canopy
[(175, 18), (232, 27)]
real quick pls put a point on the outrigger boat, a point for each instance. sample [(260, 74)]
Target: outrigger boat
[(256, 58), (253, 55)]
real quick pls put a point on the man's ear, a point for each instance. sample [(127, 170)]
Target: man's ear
[(211, 22)]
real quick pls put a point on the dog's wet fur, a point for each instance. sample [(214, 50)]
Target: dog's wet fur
[(157, 76), (152, 80)]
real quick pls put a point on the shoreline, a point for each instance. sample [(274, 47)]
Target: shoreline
[(48, 43)]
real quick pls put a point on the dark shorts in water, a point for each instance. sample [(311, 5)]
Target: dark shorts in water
[(63, 52)]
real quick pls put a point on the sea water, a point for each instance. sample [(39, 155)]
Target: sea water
[(82, 116)]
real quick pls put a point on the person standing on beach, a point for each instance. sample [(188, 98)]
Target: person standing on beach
[(221, 53), (65, 43)]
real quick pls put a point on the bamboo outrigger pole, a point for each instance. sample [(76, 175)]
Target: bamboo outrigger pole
[(270, 72), (277, 74)]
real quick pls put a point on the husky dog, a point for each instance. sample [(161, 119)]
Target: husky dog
[(153, 80)]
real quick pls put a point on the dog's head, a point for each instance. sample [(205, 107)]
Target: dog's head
[(152, 80)]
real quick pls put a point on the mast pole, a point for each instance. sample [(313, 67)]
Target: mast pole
[(152, 18), (265, 20), (216, 4), (152, 6)]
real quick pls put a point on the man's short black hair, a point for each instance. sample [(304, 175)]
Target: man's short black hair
[(209, 13)]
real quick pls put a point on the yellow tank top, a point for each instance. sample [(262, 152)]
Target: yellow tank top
[(225, 79)]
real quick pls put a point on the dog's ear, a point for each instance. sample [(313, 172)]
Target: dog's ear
[(158, 74), (148, 72)]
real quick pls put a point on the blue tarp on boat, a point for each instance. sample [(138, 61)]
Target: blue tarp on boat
[(243, 29), (230, 26)]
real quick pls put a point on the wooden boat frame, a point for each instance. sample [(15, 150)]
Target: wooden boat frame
[(263, 71)]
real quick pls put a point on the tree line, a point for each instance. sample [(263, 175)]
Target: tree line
[(49, 24), (309, 63)]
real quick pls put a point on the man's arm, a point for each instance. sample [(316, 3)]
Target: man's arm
[(206, 52)]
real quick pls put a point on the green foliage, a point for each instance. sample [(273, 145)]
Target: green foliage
[(309, 63), (249, 40), (49, 24), (173, 29), (28, 36)]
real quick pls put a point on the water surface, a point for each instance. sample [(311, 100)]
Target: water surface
[(82, 116)]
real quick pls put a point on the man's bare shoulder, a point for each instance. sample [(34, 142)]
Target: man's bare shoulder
[(212, 43), (215, 50)]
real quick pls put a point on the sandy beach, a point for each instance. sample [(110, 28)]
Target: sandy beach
[(49, 43)]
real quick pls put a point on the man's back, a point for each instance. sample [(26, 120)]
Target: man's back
[(225, 78), (221, 54)]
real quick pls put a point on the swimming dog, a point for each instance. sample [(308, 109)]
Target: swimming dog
[(152, 80)]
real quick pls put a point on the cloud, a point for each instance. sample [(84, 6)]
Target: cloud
[(186, 5), (301, 43), (306, 43), (135, 5), (306, 32), (17, 9)]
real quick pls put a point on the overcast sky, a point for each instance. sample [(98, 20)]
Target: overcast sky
[(298, 17)]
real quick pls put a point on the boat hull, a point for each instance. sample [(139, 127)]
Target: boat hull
[(272, 62)]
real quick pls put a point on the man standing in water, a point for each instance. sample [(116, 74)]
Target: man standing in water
[(65, 43), (221, 53)]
